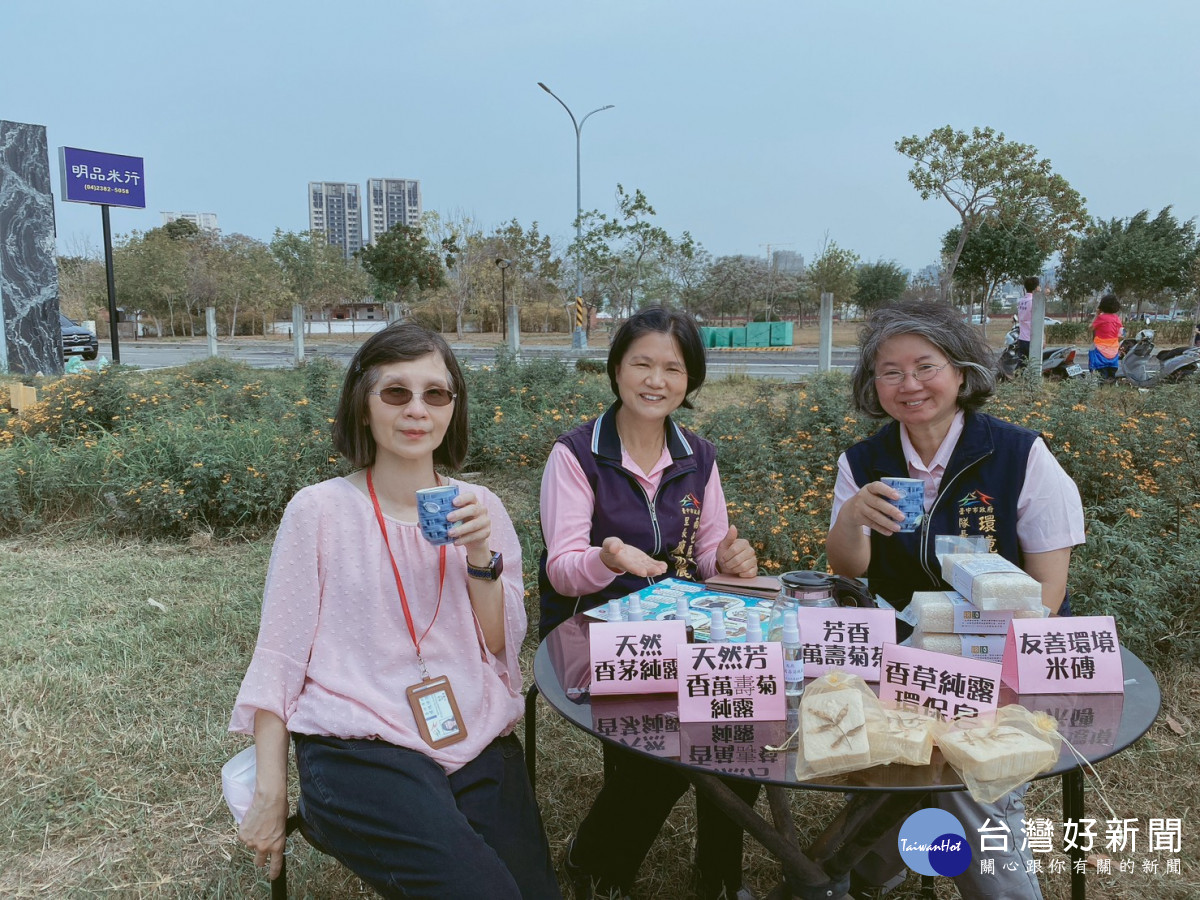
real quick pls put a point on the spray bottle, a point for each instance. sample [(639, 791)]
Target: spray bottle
[(793, 656)]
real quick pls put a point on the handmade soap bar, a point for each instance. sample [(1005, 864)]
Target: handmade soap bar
[(902, 736), (835, 734), (998, 752)]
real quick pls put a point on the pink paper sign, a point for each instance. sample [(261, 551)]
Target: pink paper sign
[(649, 724), (950, 685), (845, 638), (1068, 655), (731, 682), (635, 657), (735, 748)]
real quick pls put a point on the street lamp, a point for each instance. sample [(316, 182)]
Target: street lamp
[(579, 339), (514, 342)]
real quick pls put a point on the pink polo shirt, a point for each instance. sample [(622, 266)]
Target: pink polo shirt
[(1049, 510), (334, 654), (572, 564)]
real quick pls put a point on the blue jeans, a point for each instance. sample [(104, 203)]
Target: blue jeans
[(397, 820)]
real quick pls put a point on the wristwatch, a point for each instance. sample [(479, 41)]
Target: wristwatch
[(491, 571)]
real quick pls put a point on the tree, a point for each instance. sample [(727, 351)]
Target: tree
[(880, 283), (314, 271), (994, 253), (835, 271), (734, 286), (151, 272), (1138, 257), (402, 264), (249, 281), (179, 229), (983, 173), (623, 256)]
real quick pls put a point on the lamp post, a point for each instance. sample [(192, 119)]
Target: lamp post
[(579, 338), (511, 334)]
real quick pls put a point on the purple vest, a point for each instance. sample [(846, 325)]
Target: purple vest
[(665, 527)]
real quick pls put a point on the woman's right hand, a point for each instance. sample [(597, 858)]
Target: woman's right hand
[(264, 830), (872, 508), (621, 557)]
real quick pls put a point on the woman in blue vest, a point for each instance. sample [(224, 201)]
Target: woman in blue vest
[(929, 372), (628, 499)]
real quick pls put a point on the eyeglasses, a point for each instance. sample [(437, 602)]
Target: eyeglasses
[(402, 396), (927, 372)]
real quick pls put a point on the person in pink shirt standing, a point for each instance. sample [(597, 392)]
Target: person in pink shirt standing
[(928, 374), (628, 499), (391, 661), (1025, 316)]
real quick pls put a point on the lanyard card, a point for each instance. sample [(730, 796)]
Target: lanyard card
[(436, 712)]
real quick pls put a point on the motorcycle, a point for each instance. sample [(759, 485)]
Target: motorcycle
[(1142, 367), (1057, 362)]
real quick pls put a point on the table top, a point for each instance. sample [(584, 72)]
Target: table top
[(1098, 725)]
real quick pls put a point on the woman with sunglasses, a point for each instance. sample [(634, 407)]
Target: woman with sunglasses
[(930, 372), (391, 661)]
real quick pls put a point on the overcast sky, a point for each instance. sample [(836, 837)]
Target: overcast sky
[(745, 123)]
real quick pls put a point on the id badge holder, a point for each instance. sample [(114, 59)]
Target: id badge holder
[(436, 711)]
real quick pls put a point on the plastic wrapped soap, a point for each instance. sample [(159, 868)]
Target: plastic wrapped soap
[(902, 736), (834, 732), (938, 643)]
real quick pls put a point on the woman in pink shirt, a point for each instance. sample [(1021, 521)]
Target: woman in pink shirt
[(1106, 337), (391, 661)]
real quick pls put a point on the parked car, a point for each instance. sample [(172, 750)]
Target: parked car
[(77, 340)]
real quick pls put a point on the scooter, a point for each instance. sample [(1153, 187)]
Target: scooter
[(1057, 362), (1143, 368), (1179, 363)]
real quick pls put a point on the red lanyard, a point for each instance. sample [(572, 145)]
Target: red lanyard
[(400, 584)]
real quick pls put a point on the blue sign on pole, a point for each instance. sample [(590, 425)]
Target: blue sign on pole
[(106, 179)]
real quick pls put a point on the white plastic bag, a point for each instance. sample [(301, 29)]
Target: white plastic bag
[(237, 782)]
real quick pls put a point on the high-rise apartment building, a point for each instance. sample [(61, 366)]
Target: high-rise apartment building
[(392, 201), (203, 221), (334, 209)]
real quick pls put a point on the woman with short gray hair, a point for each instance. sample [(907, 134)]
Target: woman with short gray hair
[(930, 372)]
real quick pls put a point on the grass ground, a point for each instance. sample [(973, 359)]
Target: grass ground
[(119, 663)]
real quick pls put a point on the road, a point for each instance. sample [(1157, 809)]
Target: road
[(785, 365)]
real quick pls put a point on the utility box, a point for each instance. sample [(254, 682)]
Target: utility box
[(758, 334), (781, 334)]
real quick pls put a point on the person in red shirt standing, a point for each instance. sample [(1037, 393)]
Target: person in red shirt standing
[(1107, 331)]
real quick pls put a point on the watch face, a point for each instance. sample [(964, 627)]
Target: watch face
[(497, 565)]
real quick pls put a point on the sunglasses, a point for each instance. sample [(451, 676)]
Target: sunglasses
[(402, 396)]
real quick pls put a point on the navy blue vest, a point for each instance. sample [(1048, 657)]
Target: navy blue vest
[(665, 528), (978, 495)]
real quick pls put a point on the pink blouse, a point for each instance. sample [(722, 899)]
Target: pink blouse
[(334, 655)]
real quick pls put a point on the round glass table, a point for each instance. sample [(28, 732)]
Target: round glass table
[(1097, 726)]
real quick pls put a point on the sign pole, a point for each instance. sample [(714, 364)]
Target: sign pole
[(112, 286)]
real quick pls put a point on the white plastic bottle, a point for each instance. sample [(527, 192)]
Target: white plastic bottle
[(754, 633), (635, 609), (615, 613), (684, 615), (793, 656), (716, 628)]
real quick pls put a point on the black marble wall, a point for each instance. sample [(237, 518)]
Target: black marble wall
[(30, 336)]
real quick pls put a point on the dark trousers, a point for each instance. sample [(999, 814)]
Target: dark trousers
[(1023, 349), (397, 820), (629, 811)]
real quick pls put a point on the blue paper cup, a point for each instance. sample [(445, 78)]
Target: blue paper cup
[(911, 502), (433, 505)]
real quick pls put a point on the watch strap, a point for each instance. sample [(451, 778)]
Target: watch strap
[(491, 571)]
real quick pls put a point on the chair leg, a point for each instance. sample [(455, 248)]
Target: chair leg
[(279, 885), (531, 696)]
